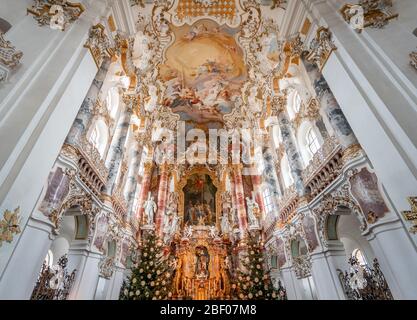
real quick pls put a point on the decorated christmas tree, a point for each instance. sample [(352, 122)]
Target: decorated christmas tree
[(252, 281), (151, 277)]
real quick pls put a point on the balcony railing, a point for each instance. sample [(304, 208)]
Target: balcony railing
[(91, 168), (324, 168), (119, 204), (288, 204)]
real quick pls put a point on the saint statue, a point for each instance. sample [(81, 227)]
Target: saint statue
[(252, 207), (150, 208), (225, 224)]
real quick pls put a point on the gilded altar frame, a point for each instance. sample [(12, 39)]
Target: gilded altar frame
[(183, 182)]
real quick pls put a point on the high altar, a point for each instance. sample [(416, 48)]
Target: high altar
[(201, 271)]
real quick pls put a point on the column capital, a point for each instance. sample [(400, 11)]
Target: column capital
[(321, 47), (131, 100), (148, 167), (278, 103)]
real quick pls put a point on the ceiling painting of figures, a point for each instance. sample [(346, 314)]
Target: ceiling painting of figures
[(203, 73)]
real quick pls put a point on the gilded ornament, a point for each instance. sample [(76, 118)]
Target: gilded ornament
[(99, 44), (411, 215), (9, 225), (321, 47), (368, 13), (413, 59), (9, 58), (58, 14)]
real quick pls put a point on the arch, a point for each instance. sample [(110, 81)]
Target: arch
[(4, 25), (113, 102), (349, 233), (337, 203), (309, 140)]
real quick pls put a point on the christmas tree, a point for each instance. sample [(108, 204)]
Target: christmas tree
[(252, 281), (151, 277)]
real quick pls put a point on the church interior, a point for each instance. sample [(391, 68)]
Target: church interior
[(208, 150)]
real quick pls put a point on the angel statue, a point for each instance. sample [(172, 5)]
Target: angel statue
[(150, 208), (225, 224), (213, 232), (252, 206), (188, 232)]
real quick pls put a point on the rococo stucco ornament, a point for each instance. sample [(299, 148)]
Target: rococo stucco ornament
[(9, 58), (302, 266), (330, 204), (321, 47), (9, 225), (368, 13), (413, 59), (411, 215), (99, 44), (106, 267), (58, 14)]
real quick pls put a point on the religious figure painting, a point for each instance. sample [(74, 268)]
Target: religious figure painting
[(281, 252), (200, 200), (202, 262), (203, 73), (309, 230), (58, 187), (101, 232), (364, 187)]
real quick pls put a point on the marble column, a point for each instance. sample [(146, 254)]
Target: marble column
[(162, 197), (331, 108), (322, 127), (84, 116), (146, 184), (235, 217), (115, 154), (257, 190), (132, 182), (240, 199), (271, 175), (288, 139)]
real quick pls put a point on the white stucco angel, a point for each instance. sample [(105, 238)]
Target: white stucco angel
[(150, 208), (188, 231), (213, 232), (251, 205)]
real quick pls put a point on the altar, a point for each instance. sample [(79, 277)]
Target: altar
[(201, 267)]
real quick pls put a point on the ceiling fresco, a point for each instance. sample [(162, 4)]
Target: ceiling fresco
[(203, 73)]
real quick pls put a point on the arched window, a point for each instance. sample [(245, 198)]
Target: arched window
[(312, 141), (286, 172), (358, 254), (94, 137), (268, 201), (113, 101), (297, 102), (99, 136)]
